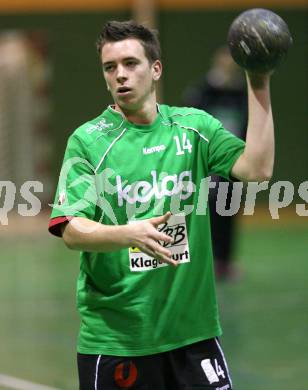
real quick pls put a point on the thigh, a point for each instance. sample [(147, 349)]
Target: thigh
[(199, 366), (101, 372)]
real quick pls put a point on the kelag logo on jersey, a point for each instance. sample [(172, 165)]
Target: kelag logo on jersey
[(109, 190), (143, 191)]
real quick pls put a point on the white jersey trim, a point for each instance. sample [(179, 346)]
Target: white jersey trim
[(180, 114), (193, 129), (224, 360), (96, 371), (182, 126), (108, 149), (188, 128)]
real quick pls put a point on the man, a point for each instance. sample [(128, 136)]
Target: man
[(146, 290)]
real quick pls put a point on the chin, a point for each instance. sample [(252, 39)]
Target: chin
[(128, 106)]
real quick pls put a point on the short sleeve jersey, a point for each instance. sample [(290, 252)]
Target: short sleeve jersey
[(117, 172)]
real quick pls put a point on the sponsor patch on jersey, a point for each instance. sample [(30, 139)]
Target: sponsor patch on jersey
[(99, 126), (176, 228), (61, 198)]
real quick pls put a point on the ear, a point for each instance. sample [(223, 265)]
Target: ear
[(157, 69)]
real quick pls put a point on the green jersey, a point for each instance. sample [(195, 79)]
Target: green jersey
[(117, 172)]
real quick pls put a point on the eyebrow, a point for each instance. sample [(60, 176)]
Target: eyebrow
[(124, 59)]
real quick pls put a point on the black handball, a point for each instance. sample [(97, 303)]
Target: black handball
[(258, 40)]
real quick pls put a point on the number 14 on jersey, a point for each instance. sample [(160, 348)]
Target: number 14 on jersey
[(185, 145)]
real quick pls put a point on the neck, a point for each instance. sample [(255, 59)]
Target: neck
[(144, 115)]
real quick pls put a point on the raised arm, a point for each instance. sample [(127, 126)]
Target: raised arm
[(86, 235), (257, 161)]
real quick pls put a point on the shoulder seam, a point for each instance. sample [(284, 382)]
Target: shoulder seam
[(189, 113), (188, 128), (193, 129), (204, 113)]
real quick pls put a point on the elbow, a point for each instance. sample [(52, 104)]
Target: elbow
[(267, 176), (262, 175), (68, 237), (69, 243), (250, 169), (266, 173), (262, 171)]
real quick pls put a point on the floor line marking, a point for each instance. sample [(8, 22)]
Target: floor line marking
[(21, 384)]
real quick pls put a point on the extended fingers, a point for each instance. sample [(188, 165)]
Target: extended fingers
[(157, 251), (163, 255), (165, 259), (159, 236), (161, 219)]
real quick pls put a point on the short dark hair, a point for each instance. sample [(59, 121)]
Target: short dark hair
[(114, 31)]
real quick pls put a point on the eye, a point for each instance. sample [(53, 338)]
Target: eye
[(109, 68), (131, 63)]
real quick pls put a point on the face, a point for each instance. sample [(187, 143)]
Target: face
[(128, 74)]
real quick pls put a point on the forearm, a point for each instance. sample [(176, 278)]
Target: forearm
[(86, 235), (257, 160), (89, 236)]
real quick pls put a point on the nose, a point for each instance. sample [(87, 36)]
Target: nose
[(121, 74)]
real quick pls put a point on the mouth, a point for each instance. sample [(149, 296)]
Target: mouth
[(122, 91)]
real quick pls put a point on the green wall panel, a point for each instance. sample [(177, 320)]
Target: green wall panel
[(188, 40)]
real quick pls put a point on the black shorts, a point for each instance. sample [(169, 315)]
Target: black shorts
[(197, 366)]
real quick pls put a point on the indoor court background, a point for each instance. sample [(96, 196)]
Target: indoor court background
[(265, 314)]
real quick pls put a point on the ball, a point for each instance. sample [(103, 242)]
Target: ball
[(259, 40)]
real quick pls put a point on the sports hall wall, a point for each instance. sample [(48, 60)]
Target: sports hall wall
[(188, 39)]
